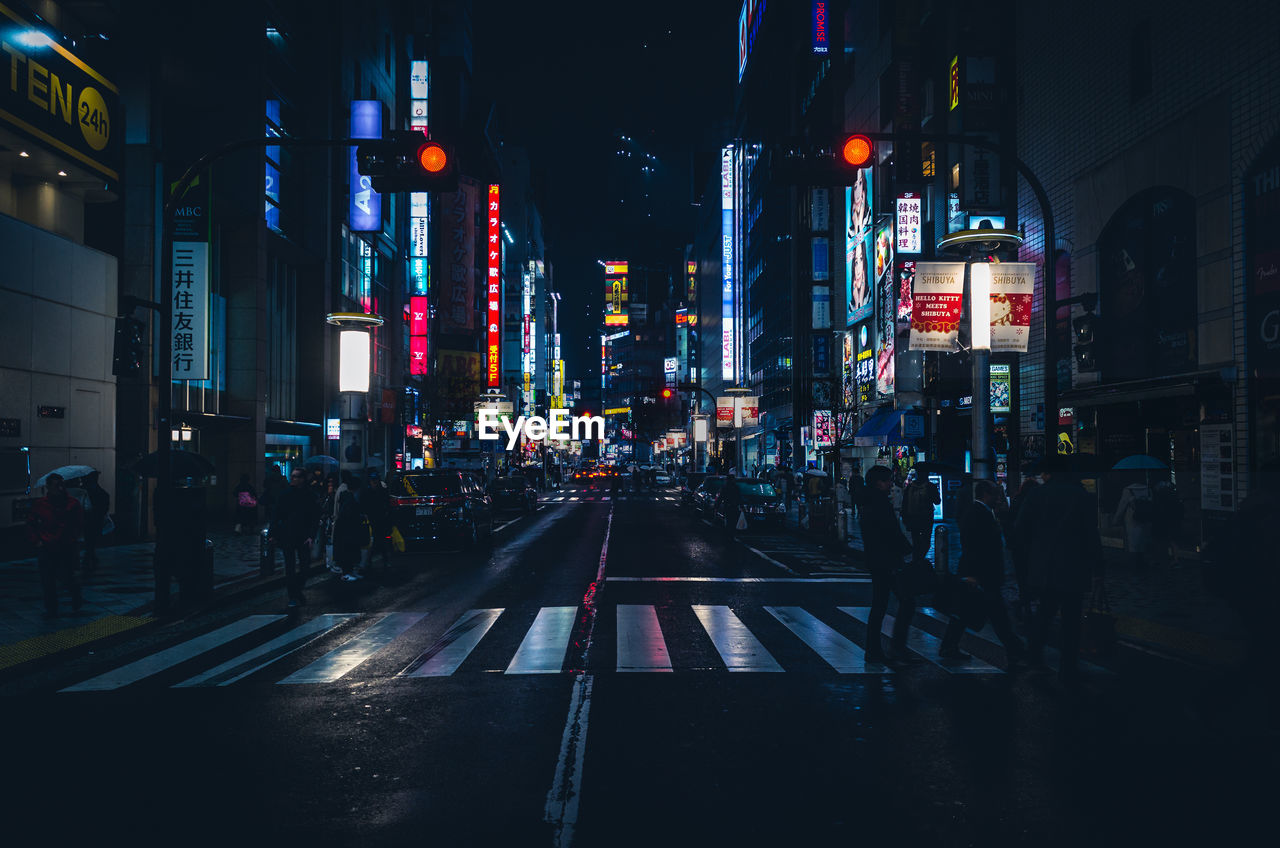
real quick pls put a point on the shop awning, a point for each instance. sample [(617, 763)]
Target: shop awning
[(883, 428)]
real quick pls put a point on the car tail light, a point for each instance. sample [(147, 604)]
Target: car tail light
[(401, 501)]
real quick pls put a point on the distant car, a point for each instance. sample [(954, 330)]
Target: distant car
[(440, 505), (692, 481), (759, 501), (662, 478), (704, 498), (513, 493), (582, 474)]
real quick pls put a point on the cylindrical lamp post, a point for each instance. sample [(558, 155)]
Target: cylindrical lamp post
[(976, 243), (354, 360)]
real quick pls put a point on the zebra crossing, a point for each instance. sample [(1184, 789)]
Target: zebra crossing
[(808, 639), (601, 498)]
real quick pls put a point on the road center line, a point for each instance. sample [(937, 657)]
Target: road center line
[(566, 786)]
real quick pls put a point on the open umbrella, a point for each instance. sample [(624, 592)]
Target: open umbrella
[(68, 473), (182, 464), (1139, 462), (324, 462)]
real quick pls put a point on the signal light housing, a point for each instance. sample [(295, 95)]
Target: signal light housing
[(407, 161), (857, 151)]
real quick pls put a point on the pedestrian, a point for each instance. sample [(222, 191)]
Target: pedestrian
[(294, 522), (53, 526), (246, 504), (886, 545), (857, 489), (375, 501), (350, 532), (1058, 522), (273, 485), (1020, 552), (95, 520), (323, 549), (982, 563), (918, 503), (1137, 511)]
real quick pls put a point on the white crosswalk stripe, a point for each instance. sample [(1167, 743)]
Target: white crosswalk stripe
[(168, 658), (642, 645), (738, 648), (338, 662), (443, 658), (264, 655), (926, 645), (544, 646), (837, 651)]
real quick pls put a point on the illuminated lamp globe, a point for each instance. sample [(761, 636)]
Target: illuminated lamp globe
[(432, 157), (857, 151)]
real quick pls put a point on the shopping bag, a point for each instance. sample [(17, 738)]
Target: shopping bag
[(108, 526), (397, 540), (742, 521)]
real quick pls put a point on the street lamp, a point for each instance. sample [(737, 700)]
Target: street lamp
[(353, 378), (976, 243)]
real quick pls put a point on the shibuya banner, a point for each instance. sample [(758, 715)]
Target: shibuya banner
[(937, 302), (1012, 284)]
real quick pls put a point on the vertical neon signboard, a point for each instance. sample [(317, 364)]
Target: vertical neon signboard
[(494, 298), (365, 214), (727, 340)]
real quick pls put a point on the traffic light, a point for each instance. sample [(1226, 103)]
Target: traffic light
[(668, 393), (407, 161), (1085, 360), (856, 151), (129, 355)]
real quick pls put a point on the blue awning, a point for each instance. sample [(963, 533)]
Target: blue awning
[(883, 428)]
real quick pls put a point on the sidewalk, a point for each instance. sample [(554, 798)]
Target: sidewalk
[(117, 596), (1163, 609)]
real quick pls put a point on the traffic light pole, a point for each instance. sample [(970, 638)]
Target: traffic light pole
[(164, 405)]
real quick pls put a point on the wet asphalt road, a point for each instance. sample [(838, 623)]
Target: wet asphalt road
[(589, 753)]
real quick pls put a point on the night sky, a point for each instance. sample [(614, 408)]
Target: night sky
[(570, 80)]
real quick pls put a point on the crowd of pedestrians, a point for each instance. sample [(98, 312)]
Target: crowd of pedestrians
[(1050, 533)]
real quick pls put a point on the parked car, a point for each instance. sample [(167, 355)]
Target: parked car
[(759, 501), (440, 505), (513, 493), (692, 481), (704, 498)]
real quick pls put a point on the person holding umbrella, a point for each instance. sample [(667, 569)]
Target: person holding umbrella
[(54, 526)]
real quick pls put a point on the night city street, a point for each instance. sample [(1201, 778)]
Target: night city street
[(741, 422)]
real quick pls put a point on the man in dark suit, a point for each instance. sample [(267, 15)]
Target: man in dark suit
[(1059, 526), (982, 563), (885, 545)]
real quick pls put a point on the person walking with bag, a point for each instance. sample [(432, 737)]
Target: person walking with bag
[(982, 563), (886, 546), (918, 502), (293, 527), (95, 520), (246, 504), (350, 532), (375, 500), (1058, 523), (54, 526)]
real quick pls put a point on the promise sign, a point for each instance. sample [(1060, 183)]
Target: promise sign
[(936, 304)]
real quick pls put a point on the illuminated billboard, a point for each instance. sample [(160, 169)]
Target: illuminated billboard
[(728, 340), (494, 298), (858, 248), (615, 294)]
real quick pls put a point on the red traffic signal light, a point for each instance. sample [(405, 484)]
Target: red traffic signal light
[(857, 150), (667, 394), (433, 157)]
